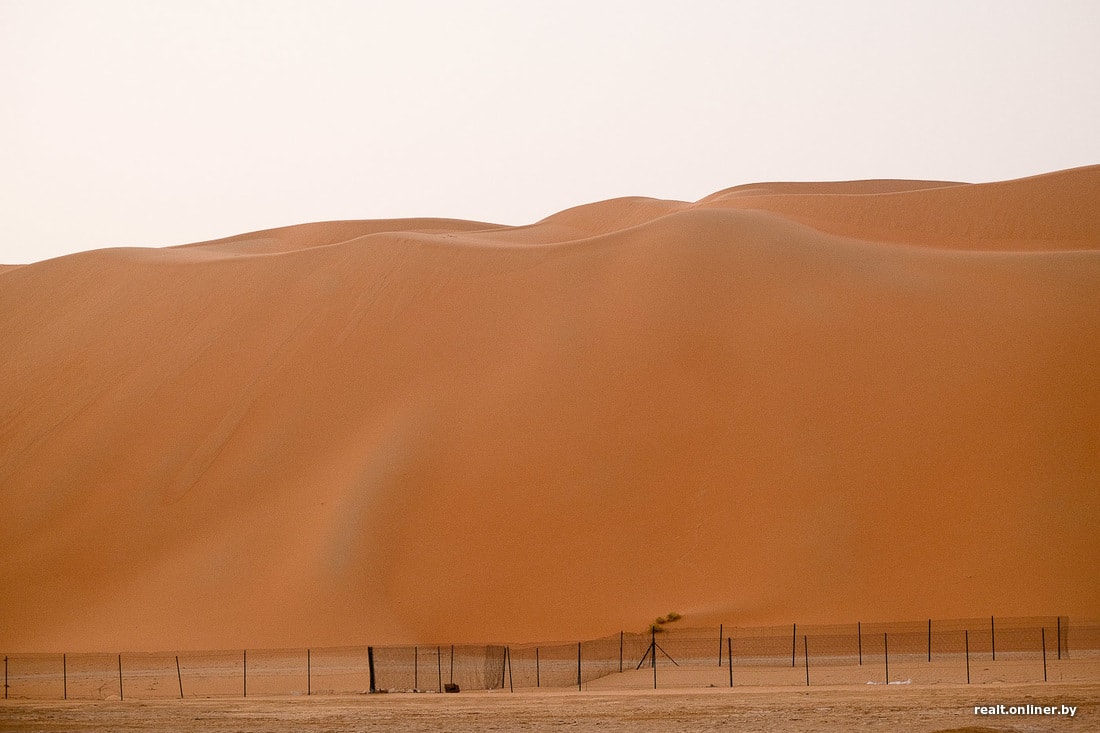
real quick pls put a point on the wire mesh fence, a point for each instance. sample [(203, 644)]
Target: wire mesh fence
[(932, 651)]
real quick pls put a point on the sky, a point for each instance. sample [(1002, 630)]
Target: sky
[(158, 123)]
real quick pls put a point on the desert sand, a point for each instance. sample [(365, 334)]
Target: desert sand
[(784, 402), (948, 709)]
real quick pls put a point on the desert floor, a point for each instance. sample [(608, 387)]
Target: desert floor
[(843, 708)]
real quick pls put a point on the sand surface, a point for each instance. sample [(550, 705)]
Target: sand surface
[(885, 710), (784, 402)]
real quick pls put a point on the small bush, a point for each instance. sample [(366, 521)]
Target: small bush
[(659, 623)]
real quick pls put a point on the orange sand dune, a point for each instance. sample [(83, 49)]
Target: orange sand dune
[(1057, 211), (786, 402)]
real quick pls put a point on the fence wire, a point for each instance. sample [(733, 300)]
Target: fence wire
[(992, 649)]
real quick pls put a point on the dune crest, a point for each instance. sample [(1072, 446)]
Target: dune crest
[(811, 402)]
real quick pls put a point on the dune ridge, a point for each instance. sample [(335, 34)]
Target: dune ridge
[(811, 402)]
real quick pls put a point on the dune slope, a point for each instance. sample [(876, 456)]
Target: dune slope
[(785, 402)]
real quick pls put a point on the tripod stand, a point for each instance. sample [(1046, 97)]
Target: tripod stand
[(651, 655)]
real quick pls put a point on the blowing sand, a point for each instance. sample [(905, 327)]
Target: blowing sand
[(811, 402)]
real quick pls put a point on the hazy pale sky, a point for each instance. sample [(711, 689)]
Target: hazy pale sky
[(154, 123)]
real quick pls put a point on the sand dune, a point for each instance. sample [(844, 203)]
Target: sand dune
[(785, 402)]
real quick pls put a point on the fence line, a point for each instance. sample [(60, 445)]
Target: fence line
[(1006, 649)]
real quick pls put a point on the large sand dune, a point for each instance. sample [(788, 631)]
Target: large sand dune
[(787, 402)]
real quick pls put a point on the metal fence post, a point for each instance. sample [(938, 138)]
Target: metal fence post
[(966, 641), (993, 638), (806, 652), (1043, 632), (729, 657), (578, 665)]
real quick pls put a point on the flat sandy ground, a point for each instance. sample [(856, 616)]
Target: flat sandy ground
[(868, 709)]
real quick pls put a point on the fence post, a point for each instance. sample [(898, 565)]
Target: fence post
[(508, 653), (416, 668), (794, 641), (620, 651), (538, 671), (729, 657), (859, 637), (64, 677), (578, 665), (309, 674), (439, 665), (1044, 638), (179, 676), (719, 645), (993, 638), (452, 664), (966, 641), (120, 677), (806, 652), (5, 677), (245, 673), (370, 668), (929, 640)]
